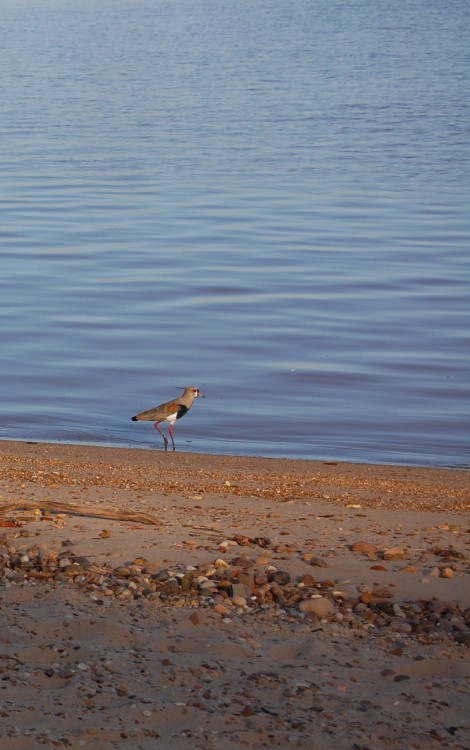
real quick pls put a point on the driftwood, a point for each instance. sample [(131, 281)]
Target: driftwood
[(80, 510)]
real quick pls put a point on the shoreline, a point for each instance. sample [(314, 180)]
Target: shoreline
[(376, 485), (268, 599), (186, 450)]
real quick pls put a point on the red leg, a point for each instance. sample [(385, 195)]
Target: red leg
[(163, 436), (171, 435)]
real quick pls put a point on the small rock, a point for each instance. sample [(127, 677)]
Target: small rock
[(239, 601), (447, 573), (285, 549), (221, 609), (122, 572), (394, 553), (365, 547), (282, 577), (241, 562), (240, 590), (322, 607), (65, 673), (276, 590), (398, 626), (161, 575), (262, 560), (248, 580)]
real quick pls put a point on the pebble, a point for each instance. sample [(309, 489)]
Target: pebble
[(239, 601), (281, 577), (365, 547), (321, 607), (248, 580), (262, 560), (394, 553), (447, 573), (221, 609), (237, 588), (399, 626), (240, 590)]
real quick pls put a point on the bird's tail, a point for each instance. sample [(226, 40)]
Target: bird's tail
[(145, 415)]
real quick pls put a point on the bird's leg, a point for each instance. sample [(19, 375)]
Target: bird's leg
[(163, 436), (171, 435)]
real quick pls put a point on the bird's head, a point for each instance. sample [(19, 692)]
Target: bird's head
[(192, 391)]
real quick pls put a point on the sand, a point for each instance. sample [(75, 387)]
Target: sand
[(345, 622)]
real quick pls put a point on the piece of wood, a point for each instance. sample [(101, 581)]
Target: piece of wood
[(80, 510)]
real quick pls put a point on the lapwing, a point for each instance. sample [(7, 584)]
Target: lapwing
[(170, 412)]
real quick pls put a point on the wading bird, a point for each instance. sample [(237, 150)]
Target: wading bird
[(170, 412)]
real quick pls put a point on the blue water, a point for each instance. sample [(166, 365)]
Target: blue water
[(268, 200)]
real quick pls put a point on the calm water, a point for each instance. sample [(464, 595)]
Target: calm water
[(269, 200)]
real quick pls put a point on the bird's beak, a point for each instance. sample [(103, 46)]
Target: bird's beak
[(201, 394)]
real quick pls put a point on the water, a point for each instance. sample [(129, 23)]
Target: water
[(268, 200)]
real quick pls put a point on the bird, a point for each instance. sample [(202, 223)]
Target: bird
[(170, 411)]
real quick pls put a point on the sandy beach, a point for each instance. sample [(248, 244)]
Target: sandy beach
[(153, 600)]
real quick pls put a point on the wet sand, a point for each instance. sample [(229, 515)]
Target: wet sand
[(273, 603)]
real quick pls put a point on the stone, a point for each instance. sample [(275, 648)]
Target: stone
[(239, 601), (447, 573), (247, 579), (262, 560), (241, 562), (322, 607), (241, 591), (282, 577), (394, 553), (399, 626), (221, 609), (365, 547)]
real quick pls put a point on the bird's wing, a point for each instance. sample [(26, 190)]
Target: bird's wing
[(163, 411)]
